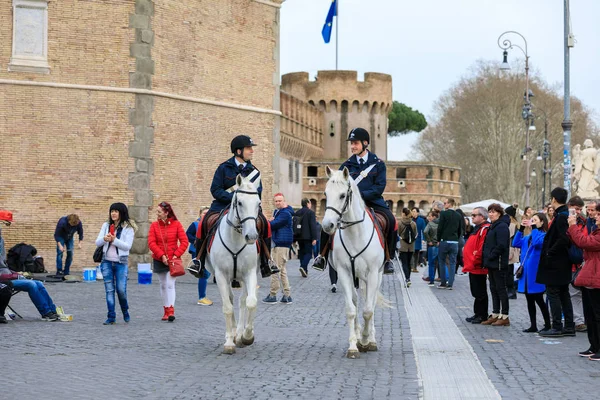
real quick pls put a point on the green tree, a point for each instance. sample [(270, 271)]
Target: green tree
[(404, 119)]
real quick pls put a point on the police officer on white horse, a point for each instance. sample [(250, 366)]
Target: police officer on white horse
[(371, 171), (222, 188)]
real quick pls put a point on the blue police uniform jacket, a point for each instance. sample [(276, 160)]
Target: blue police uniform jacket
[(372, 186), (224, 179)]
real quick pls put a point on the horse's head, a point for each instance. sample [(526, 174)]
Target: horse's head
[(245, 207), (339, 195)]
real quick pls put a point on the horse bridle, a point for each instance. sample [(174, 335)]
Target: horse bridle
[(341, 223), (238, 227)]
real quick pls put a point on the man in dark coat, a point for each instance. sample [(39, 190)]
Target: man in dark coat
[(555, 268), (308, 236), (372, 171), (222, 188)]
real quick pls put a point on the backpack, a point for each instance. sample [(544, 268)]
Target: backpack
[(20, 258), (408, 235), (297, 221)]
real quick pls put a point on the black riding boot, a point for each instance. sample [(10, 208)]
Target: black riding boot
[(320, 262), (267, 266)]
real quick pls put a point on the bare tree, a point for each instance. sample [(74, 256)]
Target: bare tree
[(477, 125)]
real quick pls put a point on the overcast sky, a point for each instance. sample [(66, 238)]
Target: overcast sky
[(427, 45)]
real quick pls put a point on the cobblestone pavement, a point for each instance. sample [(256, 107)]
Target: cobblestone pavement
[(299, 350), (522, 365)]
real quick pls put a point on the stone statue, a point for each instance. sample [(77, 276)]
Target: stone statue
[(587, 163)]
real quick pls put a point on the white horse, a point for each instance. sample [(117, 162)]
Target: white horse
[(357, 254), (233, 256)]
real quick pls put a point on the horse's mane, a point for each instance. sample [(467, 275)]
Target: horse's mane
[(337, 178)]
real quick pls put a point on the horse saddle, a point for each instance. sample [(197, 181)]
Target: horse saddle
[(381, 224)]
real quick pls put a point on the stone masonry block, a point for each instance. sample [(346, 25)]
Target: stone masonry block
[(144, 7), (144, 102), (138, 213), (143, 197), (140, 50), (139, 117), (143, 228), (140, 80), (147, 36), (135, 259), (139, 246), (139, 149), (141, 165), (144, 65), (139, 21), (144, 133), (139, 180)]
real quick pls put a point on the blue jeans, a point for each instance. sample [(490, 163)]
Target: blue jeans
[(115, 275), (202, 284), (37, 293), (59, 256), (432, 256), (449, 250)]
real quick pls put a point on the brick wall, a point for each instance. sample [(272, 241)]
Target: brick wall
[(62, 151)]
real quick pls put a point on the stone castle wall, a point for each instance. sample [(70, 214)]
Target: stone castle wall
[(140, 105)]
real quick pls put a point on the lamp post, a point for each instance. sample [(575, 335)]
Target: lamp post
[(567, 124), (546, 156), (505, 44), (537, 193)]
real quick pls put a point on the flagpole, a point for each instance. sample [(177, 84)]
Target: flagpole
[(337, 24)]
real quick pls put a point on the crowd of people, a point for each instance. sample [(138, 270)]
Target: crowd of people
[(555, 251)]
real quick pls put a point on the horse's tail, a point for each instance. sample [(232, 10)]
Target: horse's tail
[(383, 301)]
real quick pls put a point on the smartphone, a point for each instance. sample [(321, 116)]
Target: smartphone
[(111, 229), (572, 212)]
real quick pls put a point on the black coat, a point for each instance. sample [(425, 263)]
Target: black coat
[(555, 266), (309, 224), (496, 244)]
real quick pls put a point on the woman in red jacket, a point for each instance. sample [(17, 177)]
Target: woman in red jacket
[(589, 280), (166, 240)]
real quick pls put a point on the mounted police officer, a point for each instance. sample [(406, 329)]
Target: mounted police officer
[(373, 170), (222, 188)]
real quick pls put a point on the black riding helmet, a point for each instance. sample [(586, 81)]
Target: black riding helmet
[(241, 141), (359, 134)]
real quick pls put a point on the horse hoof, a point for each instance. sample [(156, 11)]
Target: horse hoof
[(247, 342), (229, 350), (240, 343), (362, 348), (372, 346), (352, 354)]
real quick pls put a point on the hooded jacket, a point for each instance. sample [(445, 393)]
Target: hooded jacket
[(163, 237), (497, 243), (430, 232), (421, 224), (589, 276), (531, 248)]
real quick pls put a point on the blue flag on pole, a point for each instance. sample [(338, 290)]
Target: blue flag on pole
[(326, 32)]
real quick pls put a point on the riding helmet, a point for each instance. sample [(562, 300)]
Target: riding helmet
[(241, 141), (360, 134)]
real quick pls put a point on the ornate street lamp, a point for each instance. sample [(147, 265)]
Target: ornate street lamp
[(505, 44)]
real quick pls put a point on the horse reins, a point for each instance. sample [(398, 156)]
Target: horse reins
[(237, 228), (348, 224)]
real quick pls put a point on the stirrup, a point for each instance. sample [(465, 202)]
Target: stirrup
[(235, 284), (320, 263), (273, 267), (196, 269)]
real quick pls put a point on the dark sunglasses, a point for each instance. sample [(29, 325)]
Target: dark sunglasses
[(475, 215)]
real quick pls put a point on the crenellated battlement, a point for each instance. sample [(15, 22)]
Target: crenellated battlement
[(334, 90)]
